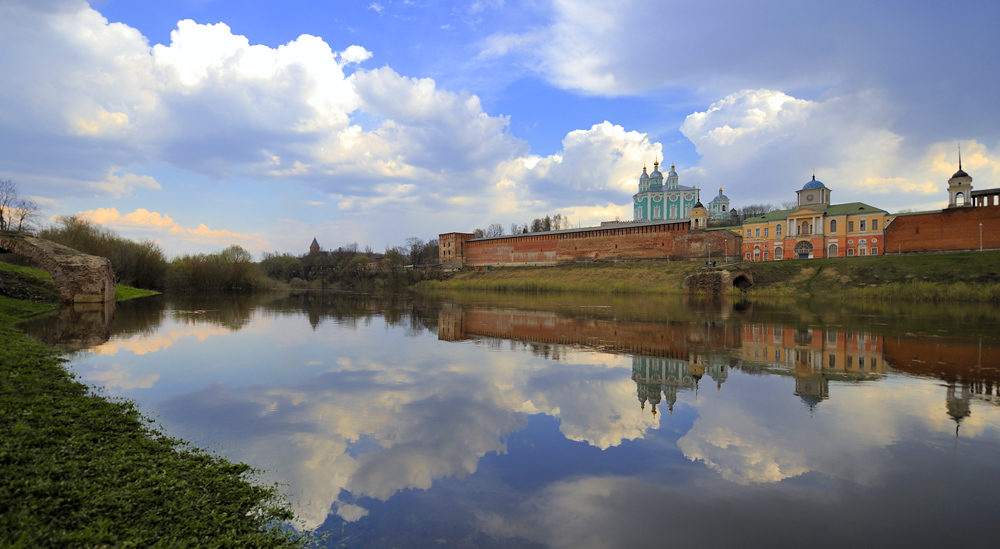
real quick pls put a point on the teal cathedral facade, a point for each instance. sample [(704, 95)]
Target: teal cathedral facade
[(665, 201)]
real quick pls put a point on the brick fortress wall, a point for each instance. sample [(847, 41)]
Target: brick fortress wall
[(948, 230), (664, 240)]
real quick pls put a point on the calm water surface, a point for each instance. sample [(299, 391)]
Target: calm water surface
[(577, 421)]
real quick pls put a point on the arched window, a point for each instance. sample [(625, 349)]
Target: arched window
[(803, 250), (833, 250), (833, 225), (960, 199), (779, 253), (777, 231)]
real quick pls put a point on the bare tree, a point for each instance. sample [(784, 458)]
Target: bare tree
[(16, 213), (24, 214), (754, 210), (495, 229), (515, 228), (414, 246), (8, 196)]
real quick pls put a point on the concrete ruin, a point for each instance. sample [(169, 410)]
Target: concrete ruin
[(79, 277), (716, 282)]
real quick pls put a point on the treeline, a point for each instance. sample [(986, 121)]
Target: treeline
[(234, 269), (538, 225), (350, 268), (144, 265), (139, 264)]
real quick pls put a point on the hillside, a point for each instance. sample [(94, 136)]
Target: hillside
[(969, 275)]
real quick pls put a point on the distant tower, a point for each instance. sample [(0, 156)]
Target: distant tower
[(718, 208), (960, 187), (314, 247)]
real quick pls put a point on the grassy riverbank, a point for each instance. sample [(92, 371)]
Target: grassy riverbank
[(969, 276), (80, 470)]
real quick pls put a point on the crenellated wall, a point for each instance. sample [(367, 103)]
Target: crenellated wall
[(626, 242), (952, 229)]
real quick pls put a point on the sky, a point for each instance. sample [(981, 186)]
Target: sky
[(204, 123)]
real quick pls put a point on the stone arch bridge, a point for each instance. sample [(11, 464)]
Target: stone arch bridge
[(79, 278)]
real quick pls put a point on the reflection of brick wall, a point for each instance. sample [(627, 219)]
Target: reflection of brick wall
[(646, 338), (950, 229), (672, 240), (949, 360)]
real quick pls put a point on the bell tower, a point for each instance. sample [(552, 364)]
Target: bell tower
[(960, 187)]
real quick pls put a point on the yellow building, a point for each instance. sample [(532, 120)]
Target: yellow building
[(815, 228)]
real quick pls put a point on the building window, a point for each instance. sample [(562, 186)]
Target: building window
[(850, 252), (748, 254), (850, 361), (765, 232), (850, 226), (833, 225), (656, 212), (872, 367), (777, 231), (862, 225), (778, 253), (777, 354), (748, 233), (874, 224), (765, 255), (873, 251), (757, 233), (833, 361), (833, 251)]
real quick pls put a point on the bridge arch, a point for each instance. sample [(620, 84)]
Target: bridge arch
[(79, 277)]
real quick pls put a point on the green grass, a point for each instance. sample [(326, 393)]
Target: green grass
[(124, 293), (26, 283), (79, 470), (599, 278), (967, 276)]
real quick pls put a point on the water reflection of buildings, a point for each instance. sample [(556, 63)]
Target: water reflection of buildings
[(658, 379), (970, 370), (671, 357), (667, 356), (815, 356)]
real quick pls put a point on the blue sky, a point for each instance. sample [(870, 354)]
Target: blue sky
[(203, 123)]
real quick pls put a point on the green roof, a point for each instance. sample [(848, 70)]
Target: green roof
[(775, 215), (832, 209), (852, 208)]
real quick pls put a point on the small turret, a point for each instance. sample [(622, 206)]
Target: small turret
[(699, 217)]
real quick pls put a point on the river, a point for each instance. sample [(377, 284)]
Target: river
[(479, 420)]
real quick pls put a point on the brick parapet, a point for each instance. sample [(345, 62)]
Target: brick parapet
[(952, 229), (633, 242)]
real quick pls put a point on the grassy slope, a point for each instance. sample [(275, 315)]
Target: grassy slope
[(80, 470), (957, 276)]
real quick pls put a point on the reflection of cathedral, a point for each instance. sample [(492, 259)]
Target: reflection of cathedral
[(658, 379), (815, 356)]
